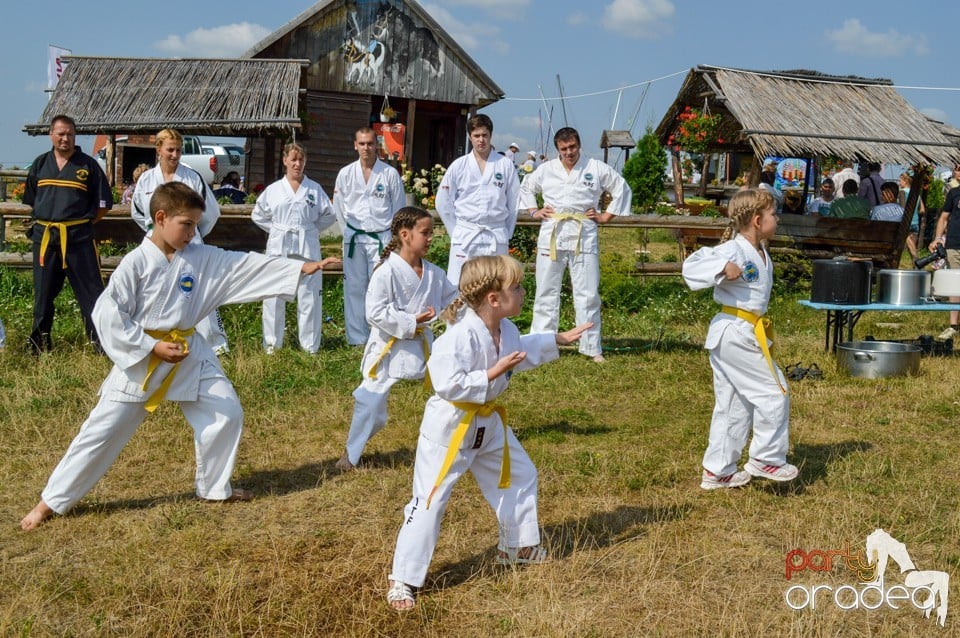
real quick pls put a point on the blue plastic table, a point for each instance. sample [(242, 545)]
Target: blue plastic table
[(847, 315)]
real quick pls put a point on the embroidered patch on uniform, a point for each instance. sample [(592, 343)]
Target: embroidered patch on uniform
[(379, 188), (498, 176), (750, 272), (477, 442), (588, 177), (311, 199), (186, 284), (83, 174)]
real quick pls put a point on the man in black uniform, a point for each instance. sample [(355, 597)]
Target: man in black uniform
[(68, 193)]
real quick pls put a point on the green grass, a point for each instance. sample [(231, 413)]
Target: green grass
[(638, 549)]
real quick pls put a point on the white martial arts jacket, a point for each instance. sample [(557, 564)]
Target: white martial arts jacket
[(750, 292), (293, 219), (395, 296), (148, 182), (367, 206), (147, 292), (458, 369), (575, 192), (477, 209)]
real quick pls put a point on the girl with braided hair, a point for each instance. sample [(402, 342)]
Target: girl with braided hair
[(464, 428), (750, 389), (405, 290)]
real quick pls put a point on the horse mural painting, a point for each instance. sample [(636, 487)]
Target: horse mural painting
[(364, 62), (422, 47)]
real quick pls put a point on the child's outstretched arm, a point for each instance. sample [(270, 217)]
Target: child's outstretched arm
[(311, 267), (427, 315), (572, 336)]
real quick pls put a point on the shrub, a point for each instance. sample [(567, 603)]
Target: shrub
[(645, 170)]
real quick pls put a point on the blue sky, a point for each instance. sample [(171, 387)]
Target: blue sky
[(595, 46)]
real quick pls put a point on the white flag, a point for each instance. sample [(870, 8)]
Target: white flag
[(55, 65)]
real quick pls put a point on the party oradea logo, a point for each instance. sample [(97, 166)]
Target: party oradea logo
[(910, 587)]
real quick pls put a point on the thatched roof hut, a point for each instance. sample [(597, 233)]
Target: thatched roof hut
[(809, 114), (200, 97)]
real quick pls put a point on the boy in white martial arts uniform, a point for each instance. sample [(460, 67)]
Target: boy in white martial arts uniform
[(477, 199), (571, 187), (293, 210), (749, 387), (169, 145), (146, 318), (367, 194), (404, 293), (464, 428)]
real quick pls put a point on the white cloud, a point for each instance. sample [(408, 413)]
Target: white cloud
[(938, 114), (470, 36), (577, 18), (855, 39), (228, 41), (639, 18)]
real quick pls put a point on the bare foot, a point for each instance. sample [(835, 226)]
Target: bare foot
[(344, 464), (35, 518), (400, 596)]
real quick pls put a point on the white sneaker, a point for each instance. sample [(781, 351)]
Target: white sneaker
[(949, 333), (269, 350), (711, 481), (785, 472)]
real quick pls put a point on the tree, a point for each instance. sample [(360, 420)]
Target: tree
[(645, 170)]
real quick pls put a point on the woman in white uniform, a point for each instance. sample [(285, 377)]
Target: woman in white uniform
[(293, 210)]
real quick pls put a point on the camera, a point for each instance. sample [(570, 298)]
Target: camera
[(939, 253)]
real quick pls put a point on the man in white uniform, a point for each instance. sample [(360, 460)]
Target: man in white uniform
[(571, 187), (366, 196), (477, 200)]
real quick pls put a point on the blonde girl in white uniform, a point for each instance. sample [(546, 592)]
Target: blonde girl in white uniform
[(293, 210), (401, 300), (464, 428), (750, 389)]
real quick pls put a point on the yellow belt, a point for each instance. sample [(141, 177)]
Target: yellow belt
[(372, 373), (471, 410), (760, 327), (173, 336), (62, 227), (559, 217)]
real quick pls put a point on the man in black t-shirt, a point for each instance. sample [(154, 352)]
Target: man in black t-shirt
[(69, 193), (948, 234)]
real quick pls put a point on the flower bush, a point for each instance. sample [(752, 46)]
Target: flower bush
[(696, 132), (423, 184), (17, 193)]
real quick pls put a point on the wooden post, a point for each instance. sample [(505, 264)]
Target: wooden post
[(755, 169), (408, 136), (677, 176), (111, 159)]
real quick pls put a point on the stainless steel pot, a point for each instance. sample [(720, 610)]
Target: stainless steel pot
[(878, 359), (903, 287)]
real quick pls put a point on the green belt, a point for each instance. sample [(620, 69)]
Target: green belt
[(360, 231)]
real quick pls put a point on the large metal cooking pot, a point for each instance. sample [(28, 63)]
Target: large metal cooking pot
[(903, 287), (946, 283), (878, 359), (841, 281)]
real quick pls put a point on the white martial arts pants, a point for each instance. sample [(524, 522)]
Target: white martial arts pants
[(309, 316), (746, 395), (515, 506), (216, 418), (585, 281), (356, 277), (369, 413), (460, 254)]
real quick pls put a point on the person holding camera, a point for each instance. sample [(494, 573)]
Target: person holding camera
[(948, 234)]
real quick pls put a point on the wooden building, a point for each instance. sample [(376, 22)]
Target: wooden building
[(806, 114), (364, 55)]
